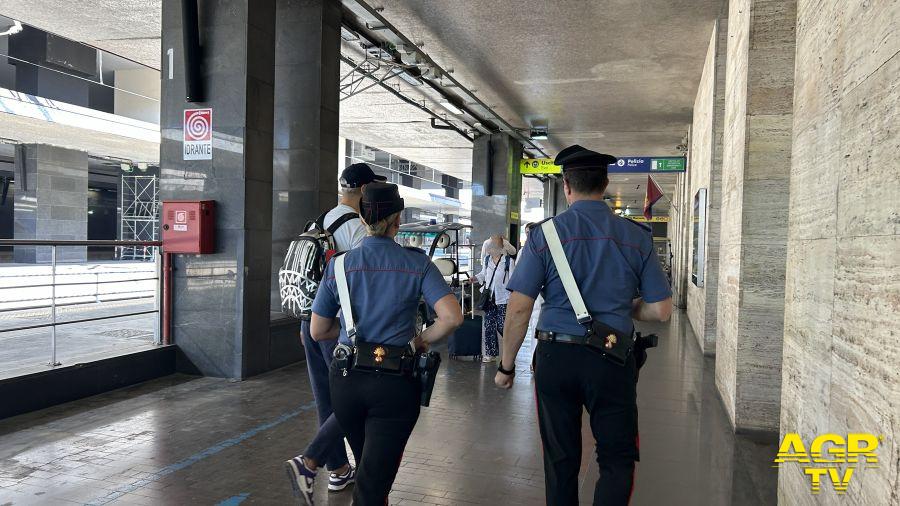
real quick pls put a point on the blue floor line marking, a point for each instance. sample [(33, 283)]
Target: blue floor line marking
[(235, 500), (197, 457)]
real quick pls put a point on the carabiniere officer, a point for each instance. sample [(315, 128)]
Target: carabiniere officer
[(611, 258), (374, 394)]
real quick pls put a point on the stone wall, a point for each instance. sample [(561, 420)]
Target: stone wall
[(706, 172), (756, 173), (51, 201), (842, 300)]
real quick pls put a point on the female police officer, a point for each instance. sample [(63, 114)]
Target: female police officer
[(374, 397)]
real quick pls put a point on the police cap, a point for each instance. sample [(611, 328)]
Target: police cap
[(380, 200), (576, 157)]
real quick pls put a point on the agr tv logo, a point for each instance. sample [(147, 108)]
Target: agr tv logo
[(827, 455)]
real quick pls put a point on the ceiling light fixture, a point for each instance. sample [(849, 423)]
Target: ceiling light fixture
[(452, 108), (539, 134), (412, 81)]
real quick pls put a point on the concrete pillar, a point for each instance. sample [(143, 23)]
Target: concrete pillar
[(679, 234), (841, 353), (219, 323), (51, 201), (554, 199), (306, 159), (755, 182), (496, 188), (706, 172)]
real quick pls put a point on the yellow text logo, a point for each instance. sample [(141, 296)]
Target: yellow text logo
[(830, 456)]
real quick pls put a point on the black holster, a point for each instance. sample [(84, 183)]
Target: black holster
[(427, 365), (641, 345)]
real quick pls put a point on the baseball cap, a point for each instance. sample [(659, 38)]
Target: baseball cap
[(357, 175)]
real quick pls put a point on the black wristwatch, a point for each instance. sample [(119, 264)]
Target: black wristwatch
[(508, 372)]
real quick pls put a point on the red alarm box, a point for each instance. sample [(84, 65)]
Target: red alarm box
[(188, 226)]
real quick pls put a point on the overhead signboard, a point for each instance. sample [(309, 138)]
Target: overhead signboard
[(643, 164), (539, 166), (654, 219), (625, 165)]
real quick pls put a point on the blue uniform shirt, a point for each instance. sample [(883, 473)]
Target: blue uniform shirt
[(612, 259), (386, 282)]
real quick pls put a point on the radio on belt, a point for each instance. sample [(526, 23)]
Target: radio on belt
[(188, 226)]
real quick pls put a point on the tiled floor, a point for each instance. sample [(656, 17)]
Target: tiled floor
[(185, 440)]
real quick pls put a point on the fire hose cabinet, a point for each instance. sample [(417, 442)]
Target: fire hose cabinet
[(189, 226)]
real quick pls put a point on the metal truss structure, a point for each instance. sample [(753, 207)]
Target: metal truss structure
[(139, 200), (377, 68)]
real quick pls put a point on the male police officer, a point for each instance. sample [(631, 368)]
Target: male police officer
[(610, 259), (376, 400)]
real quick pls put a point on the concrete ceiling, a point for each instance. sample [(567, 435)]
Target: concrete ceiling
[(131, 28), (379, 118), (128, 28), (617, 76)]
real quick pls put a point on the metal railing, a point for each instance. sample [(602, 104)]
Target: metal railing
[(30, 283)]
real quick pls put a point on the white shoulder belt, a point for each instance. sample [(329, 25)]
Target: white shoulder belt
[(565, 272), (340, 275)]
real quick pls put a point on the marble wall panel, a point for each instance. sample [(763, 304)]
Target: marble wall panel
[(699, 175), (868, 196), (843, 286), (816, 167), (820, 34), (769, 147), (756, 162), (872, 37), (764, 220)]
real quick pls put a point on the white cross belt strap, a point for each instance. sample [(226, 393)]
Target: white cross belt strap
[(340, 276), (565, 272)]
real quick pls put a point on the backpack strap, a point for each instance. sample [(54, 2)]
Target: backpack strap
[(565, 272), (340, 221), (340, 275), (319, 222)]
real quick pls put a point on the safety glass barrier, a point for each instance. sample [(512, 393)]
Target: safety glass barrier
[(60, 306)]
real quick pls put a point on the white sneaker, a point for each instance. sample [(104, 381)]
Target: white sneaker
[(338, 482), (303, 479), (487, 359)]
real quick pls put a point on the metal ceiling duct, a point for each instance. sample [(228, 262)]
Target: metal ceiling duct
[(385, 36)]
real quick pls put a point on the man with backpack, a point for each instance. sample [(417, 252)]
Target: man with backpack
[(340, 229)]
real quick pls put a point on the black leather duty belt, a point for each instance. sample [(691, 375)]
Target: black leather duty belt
[(556, 337)]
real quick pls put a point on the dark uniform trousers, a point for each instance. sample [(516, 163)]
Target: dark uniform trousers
[(377, 413), (568, 378)]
